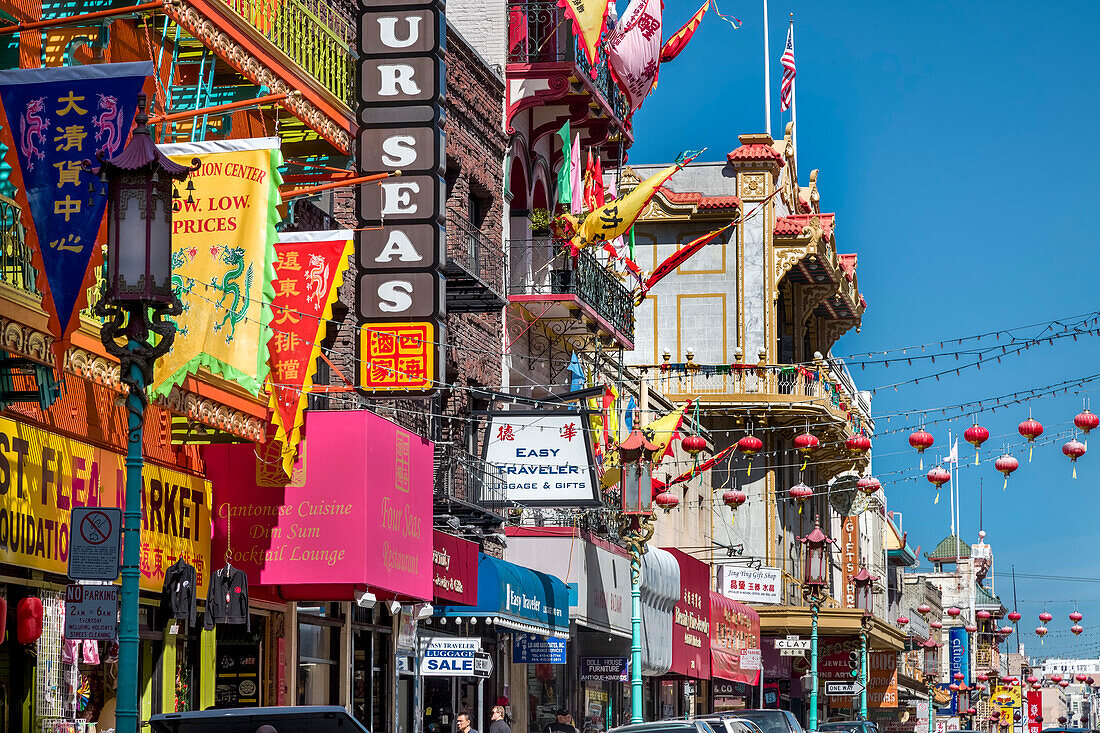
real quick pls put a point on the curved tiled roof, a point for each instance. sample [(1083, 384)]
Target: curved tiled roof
[(945, 550), (754, 151), (791, 226), (703, 202)]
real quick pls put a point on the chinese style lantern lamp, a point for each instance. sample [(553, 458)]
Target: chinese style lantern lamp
[(750, 445), (1077, 629), (936, 624), (1032, 680), (931, 651), (667, 501), (983, 614), (959, 676), (1045, 617), (637, 480), (976, 435), (694, 444), (1063, 684), (857, 445), (922, 440), (1056, 678), (1080, 677), (868, 485), (806, 444), (863, 581), (971, 628), (938, 476), (924, 609), (1031, 429), (1014, 616), (1006, 464), (1040, 631), (954, 612), (1074, 449), (903, 621), (734, 498), (815, 571), (1076, 616), (801, 493)]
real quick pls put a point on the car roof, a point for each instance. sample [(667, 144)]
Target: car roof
[(293, 719), (673, 724)]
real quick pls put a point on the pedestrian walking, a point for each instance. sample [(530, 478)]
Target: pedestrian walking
[(563, 724), (464, 725), (498, 724)]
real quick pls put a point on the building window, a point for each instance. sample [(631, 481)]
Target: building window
[(319, 654)]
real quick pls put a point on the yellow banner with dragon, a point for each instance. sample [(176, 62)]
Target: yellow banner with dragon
[(223, 254)]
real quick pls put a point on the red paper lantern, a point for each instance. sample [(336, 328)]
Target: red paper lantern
[(953, 687), (858, 444), (750, 445), (938, 476), (1056, 678), (1014, 616), (1063, 684), (971, 628), (1032, 680), (1030, 429), (1080, 677), (1074, 449), (1077, 629), (28, 620), (667, 500), (1006, 464), (903, 620), (868, 485), (976, 435), (1040, 631), (734, 498), (1005, 631), (983, 614), (954, 612), (936, 624), (806, 444), (922, 440), (1045, 617), (1086, 421), (959, 676), (694, 444), (801, 492), (1076, 616), (924, 609)]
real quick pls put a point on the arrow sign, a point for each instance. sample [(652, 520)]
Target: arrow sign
[(483, 664), (842, 689)]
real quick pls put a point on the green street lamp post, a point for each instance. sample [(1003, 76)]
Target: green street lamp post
[(134, 306), (862, 582), (815, 577)]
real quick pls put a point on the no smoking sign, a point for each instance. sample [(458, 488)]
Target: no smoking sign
[(95, 551)]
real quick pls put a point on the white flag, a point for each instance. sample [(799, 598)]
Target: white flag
[(953, 454)]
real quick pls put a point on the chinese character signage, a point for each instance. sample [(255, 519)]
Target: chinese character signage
[(750, 585), (43, 476), (401, 245), (535, 649), (54, 119), (1034, 710), (634, 50), (734, 630), (691, 618), (223, 255), (309, 269), (544, 459)]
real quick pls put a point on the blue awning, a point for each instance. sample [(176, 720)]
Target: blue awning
[(517, 598)]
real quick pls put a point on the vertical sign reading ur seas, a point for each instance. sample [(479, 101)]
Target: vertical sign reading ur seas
[(401, 245)]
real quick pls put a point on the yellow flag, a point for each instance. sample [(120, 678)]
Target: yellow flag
[(615, 218), (223, 254), (589, 19), (661, 430)]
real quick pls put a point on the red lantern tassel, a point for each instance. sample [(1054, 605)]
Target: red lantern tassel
[(1030, 450), (937, 501), (1075, 469), (748, 471), (922, 460), (976, 454), (800, 508)]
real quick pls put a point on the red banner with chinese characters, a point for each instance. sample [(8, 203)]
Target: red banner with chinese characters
[(309, 270), (691, 618), (734, 627), (1034, 710)]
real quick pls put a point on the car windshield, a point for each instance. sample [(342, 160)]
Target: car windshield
[(846, 727), (769, 721)]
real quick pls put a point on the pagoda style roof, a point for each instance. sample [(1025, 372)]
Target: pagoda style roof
[(946, 550)]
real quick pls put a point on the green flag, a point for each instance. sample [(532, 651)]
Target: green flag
[(565, 190), (630, 244)]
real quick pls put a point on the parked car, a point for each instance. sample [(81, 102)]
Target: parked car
[(848, 726), (730, 723), (305, 719), (669, 726), (772, 721)]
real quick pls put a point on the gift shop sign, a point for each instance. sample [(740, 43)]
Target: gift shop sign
[(543, 459), (400, 244), (849, 558), (749, 585)]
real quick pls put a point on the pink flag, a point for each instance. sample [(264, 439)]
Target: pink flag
[(635, 50), (575, 176)]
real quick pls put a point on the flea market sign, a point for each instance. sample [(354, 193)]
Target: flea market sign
[(542, 459), (400, 244)]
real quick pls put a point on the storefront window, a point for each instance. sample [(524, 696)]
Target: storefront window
[(546, 693), (318, 655)]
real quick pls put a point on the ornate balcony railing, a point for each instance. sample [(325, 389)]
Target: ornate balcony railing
[(312, 33), (539, 268), (474, 265), (15, 254), (467, 482), (539, 33)]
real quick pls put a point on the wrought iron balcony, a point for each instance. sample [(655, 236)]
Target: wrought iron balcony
[(539, 271), (474, 270), (15, 254), (467, 488), (540, 33)]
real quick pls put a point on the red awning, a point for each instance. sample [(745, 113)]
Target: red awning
[(733, 628)]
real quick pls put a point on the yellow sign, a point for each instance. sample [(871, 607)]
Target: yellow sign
[(1008, 697), (397, 357), (223, 256), (43, 476)]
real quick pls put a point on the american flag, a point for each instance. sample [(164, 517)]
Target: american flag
[(786, 91)]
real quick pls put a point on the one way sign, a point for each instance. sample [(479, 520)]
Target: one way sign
[(843, 689)]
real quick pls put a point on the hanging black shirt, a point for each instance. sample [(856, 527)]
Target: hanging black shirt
[(227, 598), (178, 595)]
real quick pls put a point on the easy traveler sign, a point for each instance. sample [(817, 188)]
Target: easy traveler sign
[(401, 244), (543, 459), (450, 656)]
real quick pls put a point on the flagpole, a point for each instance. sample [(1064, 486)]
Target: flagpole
[(794, 108), (767, 76)]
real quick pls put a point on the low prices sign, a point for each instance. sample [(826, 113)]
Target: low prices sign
[(544, 459), (91, 612)]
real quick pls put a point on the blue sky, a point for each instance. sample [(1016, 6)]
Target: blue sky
[(954, 144)]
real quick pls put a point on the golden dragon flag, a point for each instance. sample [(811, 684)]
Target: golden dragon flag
[(309, 271), (615, 218), (589, 21), (223, 255), (661, 431)]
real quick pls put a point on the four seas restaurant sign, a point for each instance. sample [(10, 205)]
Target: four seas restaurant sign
[(357, 510), (543, 459)]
